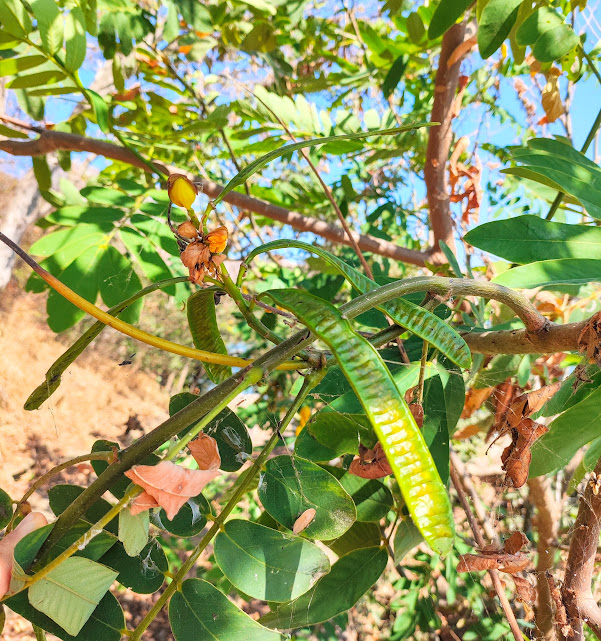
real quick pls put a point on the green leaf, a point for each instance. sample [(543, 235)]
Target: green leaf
[(101, 111), (498, 370), (267, 564), (548, 35), (572, 391), (61, 496), (290, 485), (36, 79), (394, 75), (116, 281), (6, 509), (11, 66), (42, 173), (557, 163), (11, 133), (226, 428), (33, 106), (371, 497), (242, 176), (435, 427), (75, 39), (361, 534), (202, 320), (108, 196), (14, 18), (565, 271), (73, 215), (69, 594), (106, 622), (496, 21), (200, 612), (416, 319), (342, 433), (189, 521), (445, 16), (571, 430), (80, 276), (133, 531), (306, 446), (50, 24), (120, 486), (144, 574), (349, 579), (94, 548), (526, 239), (406, 537)]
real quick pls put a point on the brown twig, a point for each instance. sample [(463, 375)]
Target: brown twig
[(439, 140), (576, 592), (513, 624), (547, 525), (49, 141)]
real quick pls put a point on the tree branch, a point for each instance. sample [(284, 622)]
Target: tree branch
[(577, 593), (49, 141), (556, 338), (547, 524), (439, 141)]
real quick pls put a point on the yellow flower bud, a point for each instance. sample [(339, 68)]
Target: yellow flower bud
[(182, 191), (216, 240)]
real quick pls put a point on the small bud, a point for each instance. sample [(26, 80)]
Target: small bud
[(216, 240), (182, 191), (187, 230)]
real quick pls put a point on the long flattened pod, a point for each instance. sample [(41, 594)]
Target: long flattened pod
[(418, 320), (413, 467)]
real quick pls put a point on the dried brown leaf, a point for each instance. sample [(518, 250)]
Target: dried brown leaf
[(205, 452), (515, 542), (589, 341), (524, 590)]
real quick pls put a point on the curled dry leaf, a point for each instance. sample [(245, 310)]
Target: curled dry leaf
[(303, 521), (589, 341), (417, 410), (371, 464), (515, 542), (204, 254), (510, 563), (169, 484), (205, 452), (516, 456), (526, 404), (475, 399), (33, 521), (524, 590), (551, 100)]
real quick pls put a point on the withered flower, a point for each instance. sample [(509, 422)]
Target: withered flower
[(187, 230), (205, 452), (216, 240), (168, 485), (182, 191), (204, 255)]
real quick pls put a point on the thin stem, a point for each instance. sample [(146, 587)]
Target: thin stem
[(130, 330), (309, 383), (93, 456), (513, 624), (250, 318), (419, 397)]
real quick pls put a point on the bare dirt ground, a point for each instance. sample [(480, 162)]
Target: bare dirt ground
[(95, 400)]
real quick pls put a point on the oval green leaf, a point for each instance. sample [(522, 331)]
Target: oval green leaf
[(290, 485), (496, 21), (145, 573), (349, 579), (200, 612), (6, 509), (267, 564), (189, 521), (564, 271)]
